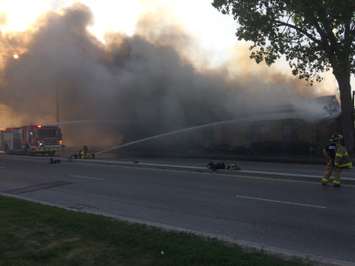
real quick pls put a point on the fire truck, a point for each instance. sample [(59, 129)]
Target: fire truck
[(33, 139)]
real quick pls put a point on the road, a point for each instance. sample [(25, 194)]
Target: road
[(297, 217)]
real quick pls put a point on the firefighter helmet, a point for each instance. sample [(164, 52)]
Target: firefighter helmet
[(336, 138)]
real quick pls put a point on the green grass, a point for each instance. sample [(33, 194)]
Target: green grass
[(33, 234)]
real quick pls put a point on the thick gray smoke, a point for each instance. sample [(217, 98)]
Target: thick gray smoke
[(146, 83)]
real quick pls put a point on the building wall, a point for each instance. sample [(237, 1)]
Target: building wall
[(283, 136)]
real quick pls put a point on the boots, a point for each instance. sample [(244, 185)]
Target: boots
[(324, 181), (336, 182)]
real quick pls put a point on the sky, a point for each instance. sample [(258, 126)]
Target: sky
[(213, 32)]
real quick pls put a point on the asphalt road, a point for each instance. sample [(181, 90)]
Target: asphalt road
[(287, 215)]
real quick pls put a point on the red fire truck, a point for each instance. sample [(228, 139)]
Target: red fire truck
[(34, 139)]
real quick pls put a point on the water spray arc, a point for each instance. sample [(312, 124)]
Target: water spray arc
[(242, 120)]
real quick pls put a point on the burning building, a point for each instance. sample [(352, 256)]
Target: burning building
[(131, 87), (281, 136)]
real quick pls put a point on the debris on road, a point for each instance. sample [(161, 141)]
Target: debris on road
[(54, 161), (214, 166)]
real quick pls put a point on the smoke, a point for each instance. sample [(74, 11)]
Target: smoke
[(154, 81)]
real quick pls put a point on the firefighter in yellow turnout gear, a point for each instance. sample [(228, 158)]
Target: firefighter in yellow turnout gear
[(337, 160)]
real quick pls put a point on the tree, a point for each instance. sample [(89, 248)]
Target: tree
[(313, 36)]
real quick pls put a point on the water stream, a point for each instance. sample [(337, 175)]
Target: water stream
[(243, 120)]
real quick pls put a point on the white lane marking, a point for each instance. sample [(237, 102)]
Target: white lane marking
[(87, 177), (271, 179), (278, 173), (281, 202), (288, 174)]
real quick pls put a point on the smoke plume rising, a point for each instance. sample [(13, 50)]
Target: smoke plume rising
[(152, 82)]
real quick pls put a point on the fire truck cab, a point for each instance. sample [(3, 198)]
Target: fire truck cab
[(33, 139)]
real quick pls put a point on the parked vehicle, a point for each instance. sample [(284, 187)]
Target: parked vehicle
[(33, 139)]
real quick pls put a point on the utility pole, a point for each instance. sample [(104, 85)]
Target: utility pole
[(57, 105)]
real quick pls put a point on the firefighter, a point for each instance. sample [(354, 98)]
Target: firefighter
[(337, 160), (81, 154), (342, 160), (85, 152), (329, 152)]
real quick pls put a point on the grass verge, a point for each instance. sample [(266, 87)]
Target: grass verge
[(33, 234)]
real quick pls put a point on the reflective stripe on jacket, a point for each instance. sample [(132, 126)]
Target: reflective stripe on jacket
[(342, 159)]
